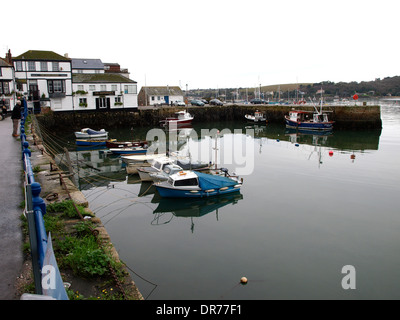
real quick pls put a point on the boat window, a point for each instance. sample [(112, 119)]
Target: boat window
[(157, 165), (170, 181), (186, 182), (167, 170)]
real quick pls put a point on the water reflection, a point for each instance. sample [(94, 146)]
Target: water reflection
[(167, 208)]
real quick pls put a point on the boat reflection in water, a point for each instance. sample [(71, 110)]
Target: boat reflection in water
[(169, 208)]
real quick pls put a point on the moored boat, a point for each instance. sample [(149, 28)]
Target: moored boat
[(91, 142), (193, 184), (131, 150), (125, 144), (181, 118), (257, 117), (299, 119), (156, 167), (88, 133)]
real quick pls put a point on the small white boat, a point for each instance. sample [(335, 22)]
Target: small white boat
[(257, 117), (133, 162), (137, 159), (156, 167), (88, 133), (182, 118)]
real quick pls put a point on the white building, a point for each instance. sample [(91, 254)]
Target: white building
[(44, 74), (154, 96), (7, 89), (102, 91)]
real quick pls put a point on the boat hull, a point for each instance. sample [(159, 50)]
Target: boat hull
[(254, 119), (125, 151), (90, 142), (309, 125), (176, 122), (125, 144), (167, 192)]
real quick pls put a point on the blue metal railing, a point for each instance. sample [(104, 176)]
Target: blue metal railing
[(35, 210)]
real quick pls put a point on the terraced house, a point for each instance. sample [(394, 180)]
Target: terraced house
[(44, 75), (51, 80), (6, 84), (99, 88)]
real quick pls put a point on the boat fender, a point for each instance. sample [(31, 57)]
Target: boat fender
[(223, 189), (331, 153), (296, 144), (209, 190)]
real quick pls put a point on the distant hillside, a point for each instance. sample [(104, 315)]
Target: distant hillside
[(389, 86)]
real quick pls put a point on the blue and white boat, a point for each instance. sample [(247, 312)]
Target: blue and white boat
[(308, 120), (193, 184), (88, 133)]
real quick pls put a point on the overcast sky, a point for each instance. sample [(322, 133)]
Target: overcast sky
[(215, 43)]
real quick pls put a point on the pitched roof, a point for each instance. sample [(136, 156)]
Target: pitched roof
[(87, 64), (41, 55), (4, 63), (100, 78), (163, 91)]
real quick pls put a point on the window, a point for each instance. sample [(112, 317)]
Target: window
[(80, 87), (31, 66), (103, 87), (43, 66), (152, 98), (56, 66), (130, 89), (19, 65), (114, 87), (117, 99), (56, 86), (186, 182), (4, 88), (92, 87), (82, 102)]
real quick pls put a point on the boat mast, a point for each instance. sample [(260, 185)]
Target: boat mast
[(216, 148)]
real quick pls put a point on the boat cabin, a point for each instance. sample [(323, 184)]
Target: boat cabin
[(304, 116), (320, 117), (160, 163), (184, 179)]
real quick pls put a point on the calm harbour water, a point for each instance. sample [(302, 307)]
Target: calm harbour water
[(302, 214)]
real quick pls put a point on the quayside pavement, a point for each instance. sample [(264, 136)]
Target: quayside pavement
[(11, 196)]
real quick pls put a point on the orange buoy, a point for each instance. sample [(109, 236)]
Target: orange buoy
[(331, 153)]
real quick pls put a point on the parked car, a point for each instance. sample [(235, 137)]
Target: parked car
[(197, 103), (204, 101), (257, 101), (179, 103), (216, 102)]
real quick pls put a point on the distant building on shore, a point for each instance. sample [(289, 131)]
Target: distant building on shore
[(155, 96)]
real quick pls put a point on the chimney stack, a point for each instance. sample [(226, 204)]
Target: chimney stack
[(9, 57)]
